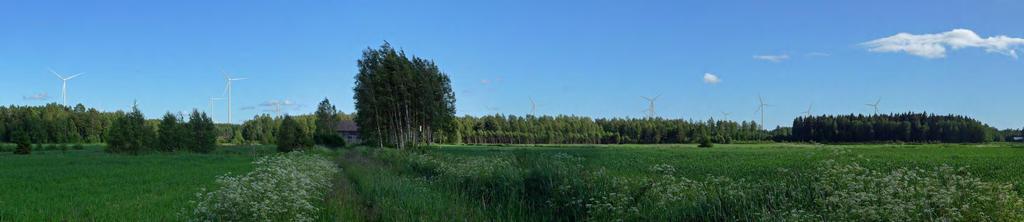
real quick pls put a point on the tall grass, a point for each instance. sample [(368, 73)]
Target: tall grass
[(555, 186)]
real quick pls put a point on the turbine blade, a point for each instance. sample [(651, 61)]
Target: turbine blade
[(76, 75), (55, 73)]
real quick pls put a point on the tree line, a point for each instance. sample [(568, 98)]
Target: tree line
[(905, 127), (130, 132), (55, 123), (584, 130)]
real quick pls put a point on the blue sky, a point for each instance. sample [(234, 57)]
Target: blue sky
[(592, 58)]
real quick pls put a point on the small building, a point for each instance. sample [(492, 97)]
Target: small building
[(1018, 138), (348, 130)]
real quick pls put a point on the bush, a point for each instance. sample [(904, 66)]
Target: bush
[(330, 140), (705, 143), (282, 187), (23, 144), (23, 148)]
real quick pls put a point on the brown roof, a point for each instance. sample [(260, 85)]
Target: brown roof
[(347, 126)]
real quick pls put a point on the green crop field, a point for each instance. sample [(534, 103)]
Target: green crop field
[(92, 185), (682, 182)]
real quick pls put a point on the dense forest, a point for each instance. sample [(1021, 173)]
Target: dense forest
[(906, 127)]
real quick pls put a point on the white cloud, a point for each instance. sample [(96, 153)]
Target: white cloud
[(711, 78), (485, 81), (37, 96), (934, 46), (772, 58), (275, 102)]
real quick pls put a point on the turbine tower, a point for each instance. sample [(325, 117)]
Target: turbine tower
[(64, 85), (875, 105), (211, 105), (533, 107), (808, 112), (227, 89), (760, 109), (650, 107)]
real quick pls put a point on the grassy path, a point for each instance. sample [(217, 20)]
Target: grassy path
[(370, 191)]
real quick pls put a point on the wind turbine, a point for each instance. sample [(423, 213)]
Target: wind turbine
[(211, 105), (64, 85), (228, 90), (875, 105), (808, 112), (533, 107), (277, 105), (650, 107), (760, 108)]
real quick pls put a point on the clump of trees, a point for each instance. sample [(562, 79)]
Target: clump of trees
[(202, 133), (292, 136), (172, 134), (401, 101), (326, 126), (906, 127), (129, 133)]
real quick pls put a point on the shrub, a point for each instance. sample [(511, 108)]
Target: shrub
[(24, 146), (705, 142), (282, 187), (330, 140)]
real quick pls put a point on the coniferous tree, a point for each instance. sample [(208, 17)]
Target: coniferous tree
[(326, 119), (172, 135), (202, 131), (292, 136), (130, 134)]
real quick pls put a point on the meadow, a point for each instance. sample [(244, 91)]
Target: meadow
[(729, 182), (781, 182), (92, 185)]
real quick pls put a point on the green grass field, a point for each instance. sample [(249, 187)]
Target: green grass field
[(520, 183), (510, 183), (91, 185)]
